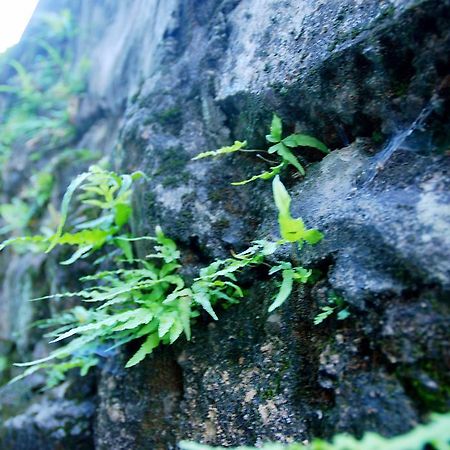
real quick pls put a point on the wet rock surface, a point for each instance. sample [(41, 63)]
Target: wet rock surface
[(368, 78)]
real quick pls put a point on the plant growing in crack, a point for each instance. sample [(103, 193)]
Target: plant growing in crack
[(336, 303), (433, 435), (282, 147), (144, 300), (293, 231)]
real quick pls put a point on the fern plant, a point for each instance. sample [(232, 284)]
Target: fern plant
[(335, 304), (40, 102), (151, 303), (280, 146), (104, 209), (25, 213), (292, 231), (22, 209), (145, 300), (432, 436)]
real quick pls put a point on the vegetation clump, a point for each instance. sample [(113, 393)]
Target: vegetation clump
[(432, 436), (280, 146), (142, 299)]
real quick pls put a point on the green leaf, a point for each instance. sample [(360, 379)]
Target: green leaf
[(23, 240), (281, 197), (289, 157), (292, 230), (122, 214), (135, 176), (303, 140), (285, 289), (95, 237), (175, 295), (276, 130), (312, 236), (77, 255), (326, 312), (343, 314), (267, 247), (222, 151), (126, 248), (184, 311), (275, 148), (78, 181), (168, 249), (263, 176), (142, 316), (146, 348), (165, 323), (284, 265), (175, 330), (106, 322), (203, 299), (301, 274)]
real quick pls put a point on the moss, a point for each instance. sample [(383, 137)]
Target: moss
[(169, 116), (280, 89), (171, 167), (268, 394), (377, 137), (175, 179), (172, 162), (356, 32), (437, 400), (388, 12), (275, 387), (170, 119), (400, 88), (134, 98), (218, 195), (222, 223), (434, 395), (332, 46), (186, 216)]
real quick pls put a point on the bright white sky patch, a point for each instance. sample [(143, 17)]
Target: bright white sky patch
[(14, 17)]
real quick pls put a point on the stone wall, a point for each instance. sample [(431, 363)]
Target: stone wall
[(169, 79)]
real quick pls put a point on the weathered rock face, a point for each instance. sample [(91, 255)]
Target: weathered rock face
[(172, 78)]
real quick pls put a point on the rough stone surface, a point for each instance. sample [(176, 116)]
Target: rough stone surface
[(173, 78), (35, 421)]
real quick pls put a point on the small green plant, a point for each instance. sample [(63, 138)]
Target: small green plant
[(281, 146), (433, 436), (289, 275), (38, 112), (104, 210), (292, 230), (150, 303), (237, 146), (335, 303), (40, 101), (18, 214), (60, 25)]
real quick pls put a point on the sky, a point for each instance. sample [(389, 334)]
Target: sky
[(14, 16)]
